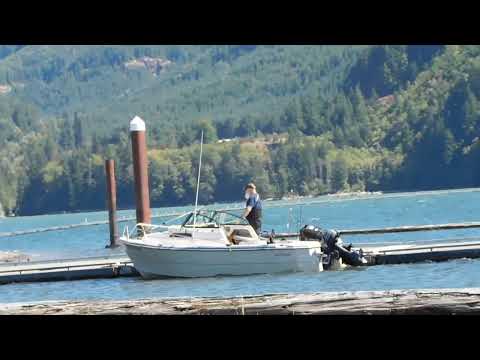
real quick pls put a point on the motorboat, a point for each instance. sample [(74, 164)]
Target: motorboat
[(209, 243)]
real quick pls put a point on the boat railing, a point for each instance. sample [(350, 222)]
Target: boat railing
[(141, 229)]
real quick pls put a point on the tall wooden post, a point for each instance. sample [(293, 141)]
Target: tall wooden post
[(112, 201), (140, 170)]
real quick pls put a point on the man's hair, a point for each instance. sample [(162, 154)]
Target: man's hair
[(250, 186)]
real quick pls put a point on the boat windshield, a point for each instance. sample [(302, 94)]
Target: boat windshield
[(213, 218), (228, 218)]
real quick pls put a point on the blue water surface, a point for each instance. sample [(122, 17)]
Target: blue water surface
[(329, 212)]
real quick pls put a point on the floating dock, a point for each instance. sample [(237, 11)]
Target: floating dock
[(122, 266), (405, 254), (68, 269)]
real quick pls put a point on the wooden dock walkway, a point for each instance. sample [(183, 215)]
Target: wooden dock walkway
[(68, 269)]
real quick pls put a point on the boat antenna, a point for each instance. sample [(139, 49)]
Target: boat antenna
[(198, 182)]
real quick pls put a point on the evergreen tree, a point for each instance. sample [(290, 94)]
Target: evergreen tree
[(209, 131), (471, 124), (339, 175), (78, 131)]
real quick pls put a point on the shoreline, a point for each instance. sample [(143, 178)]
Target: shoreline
[(390, 302), (327, 196), (13, 257)]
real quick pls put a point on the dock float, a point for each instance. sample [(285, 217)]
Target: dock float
[(122, 266), (68, 269), (407, 254)]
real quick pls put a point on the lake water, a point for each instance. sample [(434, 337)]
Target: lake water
[(328, 212)]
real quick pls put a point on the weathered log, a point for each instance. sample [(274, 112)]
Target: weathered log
[(395, 302)]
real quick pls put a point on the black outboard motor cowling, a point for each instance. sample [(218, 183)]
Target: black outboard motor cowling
[(332, 245), (310, 232)]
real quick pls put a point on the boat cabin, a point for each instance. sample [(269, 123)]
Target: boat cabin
[(208, 227), (236, 229)]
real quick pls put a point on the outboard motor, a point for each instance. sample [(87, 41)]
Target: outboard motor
[(332, 247)]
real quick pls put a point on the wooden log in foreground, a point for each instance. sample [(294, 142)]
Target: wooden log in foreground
[(395, 302)]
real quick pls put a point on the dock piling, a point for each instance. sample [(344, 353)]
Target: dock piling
[(140, 170), (112, 202)]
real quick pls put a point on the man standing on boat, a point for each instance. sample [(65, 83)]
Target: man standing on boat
[(253, 208)]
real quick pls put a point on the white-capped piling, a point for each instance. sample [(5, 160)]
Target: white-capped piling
[(140, 170)]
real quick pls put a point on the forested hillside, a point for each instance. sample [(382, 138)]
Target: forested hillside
[(172, 86), (301, 119)]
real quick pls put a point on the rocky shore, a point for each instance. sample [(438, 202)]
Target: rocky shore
[(13, 256), (395, 302)]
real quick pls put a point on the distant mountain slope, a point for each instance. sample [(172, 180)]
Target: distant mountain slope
[(435, 122), (110, 84), (259, 81), (382, 70), (301, 119), (63, 77)]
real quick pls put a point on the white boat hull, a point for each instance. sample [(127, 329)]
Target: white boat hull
[(154, 261)]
